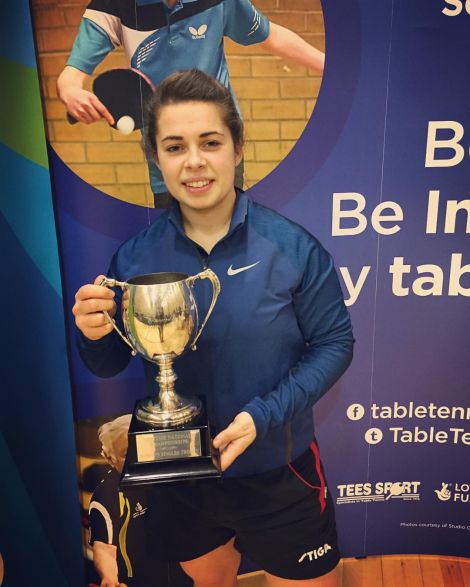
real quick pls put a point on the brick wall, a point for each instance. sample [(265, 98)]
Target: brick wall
[(276, 99)]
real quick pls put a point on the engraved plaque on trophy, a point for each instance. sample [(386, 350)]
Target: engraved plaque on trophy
[(169, 435)]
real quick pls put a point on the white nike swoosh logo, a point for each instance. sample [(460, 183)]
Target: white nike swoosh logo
[(232, 271)]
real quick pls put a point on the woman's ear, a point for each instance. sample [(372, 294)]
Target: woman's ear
[(238, 154)]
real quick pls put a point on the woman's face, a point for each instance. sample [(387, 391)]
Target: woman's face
[(196, 155)]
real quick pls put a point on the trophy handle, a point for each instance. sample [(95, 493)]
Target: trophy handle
[(206, 274), (122, 284)]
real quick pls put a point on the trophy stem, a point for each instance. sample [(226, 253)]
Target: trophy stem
[(170, 409), (168, 398)]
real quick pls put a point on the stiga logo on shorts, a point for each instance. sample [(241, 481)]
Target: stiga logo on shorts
[(380, 491), (314, 554)]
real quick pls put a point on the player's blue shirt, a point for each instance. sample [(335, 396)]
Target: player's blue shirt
[(278, 338), (159, 41)]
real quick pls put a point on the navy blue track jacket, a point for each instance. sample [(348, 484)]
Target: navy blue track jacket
[(279, 336)]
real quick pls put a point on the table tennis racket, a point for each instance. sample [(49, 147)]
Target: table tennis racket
[(124, 92)]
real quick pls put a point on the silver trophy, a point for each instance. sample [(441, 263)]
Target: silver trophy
[(169, 435)]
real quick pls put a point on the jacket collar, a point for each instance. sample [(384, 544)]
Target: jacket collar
[(240, 211), (179, 3)]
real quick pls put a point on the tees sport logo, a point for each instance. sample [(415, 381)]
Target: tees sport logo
[(199, 33), (379, 491), (314, 554), (457, 492)]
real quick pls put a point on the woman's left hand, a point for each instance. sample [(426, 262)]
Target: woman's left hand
[(235, 439)]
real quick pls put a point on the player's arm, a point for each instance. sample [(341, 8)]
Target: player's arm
[(82, 104), (325, 324), (285, 43), (235, 439), (326, 328), (247, 25), (100, 347), (104, 524), (90, 302), (98, 35), (104, 558)]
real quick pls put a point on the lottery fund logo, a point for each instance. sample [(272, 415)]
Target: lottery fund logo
[(199, 33), (457, 492), (443, 493), (379, 491)]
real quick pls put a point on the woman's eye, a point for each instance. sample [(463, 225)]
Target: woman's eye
[(173, 148), (212, 144)]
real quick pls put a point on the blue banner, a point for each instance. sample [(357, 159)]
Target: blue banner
[(40, 540), (380, 177)]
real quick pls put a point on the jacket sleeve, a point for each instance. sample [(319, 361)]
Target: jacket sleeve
[(105, 357), (326, 328), (243, 23), (110, 355)]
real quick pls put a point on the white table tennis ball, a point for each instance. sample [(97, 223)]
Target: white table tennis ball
[(125, 125)]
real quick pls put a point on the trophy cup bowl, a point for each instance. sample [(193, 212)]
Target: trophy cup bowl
[(169, 435)]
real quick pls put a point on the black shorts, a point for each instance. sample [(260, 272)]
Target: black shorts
[(282, 520)]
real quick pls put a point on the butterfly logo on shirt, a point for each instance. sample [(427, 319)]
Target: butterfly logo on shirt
[(199, 33)]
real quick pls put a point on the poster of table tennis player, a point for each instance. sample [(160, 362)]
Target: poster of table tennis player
[(275, 86), (378, 174), (100, 64)]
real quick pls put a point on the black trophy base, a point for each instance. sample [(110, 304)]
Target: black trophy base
[(169, 455)]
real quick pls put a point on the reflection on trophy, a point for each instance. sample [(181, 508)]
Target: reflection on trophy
[(169, 435)]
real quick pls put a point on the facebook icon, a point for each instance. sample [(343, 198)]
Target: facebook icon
[(355, 411)]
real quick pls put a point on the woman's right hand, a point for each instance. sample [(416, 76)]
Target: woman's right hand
[(90, 301), (82, 104)]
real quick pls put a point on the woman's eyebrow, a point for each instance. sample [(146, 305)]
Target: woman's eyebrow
[(202, 135), (211, 132), (172, 138)]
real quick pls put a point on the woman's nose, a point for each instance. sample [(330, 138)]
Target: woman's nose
[(195, 158)]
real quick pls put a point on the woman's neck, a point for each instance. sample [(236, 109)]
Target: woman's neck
[(207, 227)]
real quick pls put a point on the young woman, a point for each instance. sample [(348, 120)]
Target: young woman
[(278, 339)]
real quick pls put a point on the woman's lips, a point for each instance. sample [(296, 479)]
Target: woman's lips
[(198, 186)]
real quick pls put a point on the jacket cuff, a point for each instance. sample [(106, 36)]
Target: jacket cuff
[(259, 411), (86, 343)]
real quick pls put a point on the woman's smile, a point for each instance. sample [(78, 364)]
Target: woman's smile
[(198, 185)]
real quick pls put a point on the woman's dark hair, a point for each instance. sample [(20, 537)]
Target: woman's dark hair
[(190, 86)]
